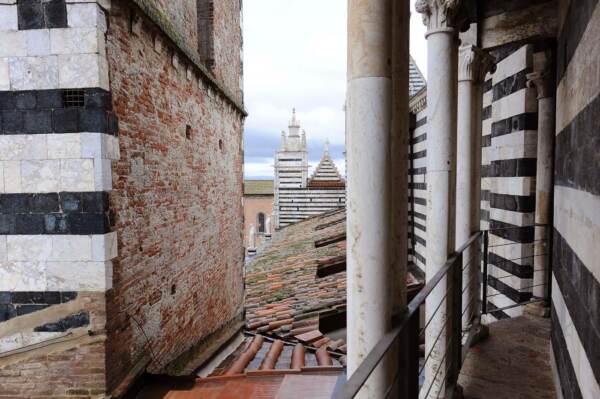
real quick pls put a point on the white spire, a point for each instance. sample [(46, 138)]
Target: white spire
[(294, 124), (326, 150)]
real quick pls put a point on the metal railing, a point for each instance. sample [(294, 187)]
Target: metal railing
[(407, 334)]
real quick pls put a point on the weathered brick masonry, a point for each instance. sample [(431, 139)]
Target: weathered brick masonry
[(120, 192), (176, 200)]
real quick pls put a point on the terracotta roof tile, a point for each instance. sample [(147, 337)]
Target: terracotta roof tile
[(285, 297)]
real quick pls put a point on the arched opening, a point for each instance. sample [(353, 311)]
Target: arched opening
[(260, 221)]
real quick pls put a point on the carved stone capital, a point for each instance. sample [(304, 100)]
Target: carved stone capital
[(543, 82), (474, 64), (441, 15)]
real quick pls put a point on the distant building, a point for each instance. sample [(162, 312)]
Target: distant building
[(297, 196), (258, 212)]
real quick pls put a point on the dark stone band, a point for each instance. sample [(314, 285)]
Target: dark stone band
[(418, 139), (580, 290), (577, 156), (516, 123), (520, 167), (80, 319), (417, 171), (486, 141), (417, 215), (576, 21), (511, 84), (18, 303), (564, 366), (515, 295), (57, 111), (38, 14), (486, 113), (55, 213), (417, 186), (418, 154), (498, 314), (487, 85), (520, 234), (509, 266), (514, 203)]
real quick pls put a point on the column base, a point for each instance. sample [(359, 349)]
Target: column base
[(483, 332), (539, 309)]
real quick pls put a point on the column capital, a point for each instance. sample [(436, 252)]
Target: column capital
[(543, 82), (474, 64), (441, 15)]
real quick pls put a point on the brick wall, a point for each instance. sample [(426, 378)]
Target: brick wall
[(176, 202), (182, 17), (228, 59)]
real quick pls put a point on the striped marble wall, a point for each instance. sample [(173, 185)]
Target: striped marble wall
[(576, 249), (508, 180), (57, 141), (417, 186)]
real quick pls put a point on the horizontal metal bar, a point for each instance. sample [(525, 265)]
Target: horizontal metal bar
[(517, 243), (368, 365)]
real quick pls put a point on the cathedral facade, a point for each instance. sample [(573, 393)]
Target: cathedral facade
[(298, 196)]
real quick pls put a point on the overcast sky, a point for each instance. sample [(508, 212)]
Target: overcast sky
[(295, 56)]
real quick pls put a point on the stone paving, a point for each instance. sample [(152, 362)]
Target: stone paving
[(512, 363)]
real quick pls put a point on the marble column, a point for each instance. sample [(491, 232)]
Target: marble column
[(371, 134), (440, 17), (473, 65), (543, 81)]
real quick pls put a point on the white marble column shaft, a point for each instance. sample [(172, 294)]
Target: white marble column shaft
[(442, 60), (543, 82), (473, 65), (370, 263)]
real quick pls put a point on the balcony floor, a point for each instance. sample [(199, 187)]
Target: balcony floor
[(512, 363)]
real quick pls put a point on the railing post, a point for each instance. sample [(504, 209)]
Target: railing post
[(484, 273), (408, 356), (455, 349)]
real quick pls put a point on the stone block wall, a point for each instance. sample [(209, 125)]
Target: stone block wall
[(120, 240), (509, 152), (576, 253), (57, 142)]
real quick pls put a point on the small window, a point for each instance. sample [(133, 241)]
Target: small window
[(206, 45), (261, 223), (188, 132), (73, 98), (220, 144)]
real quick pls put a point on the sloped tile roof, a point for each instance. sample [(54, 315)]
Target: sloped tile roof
[(285, 297)]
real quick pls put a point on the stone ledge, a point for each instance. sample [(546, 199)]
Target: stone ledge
[(203, 350)]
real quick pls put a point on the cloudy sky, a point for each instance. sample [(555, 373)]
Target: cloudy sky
[(295, 56)]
